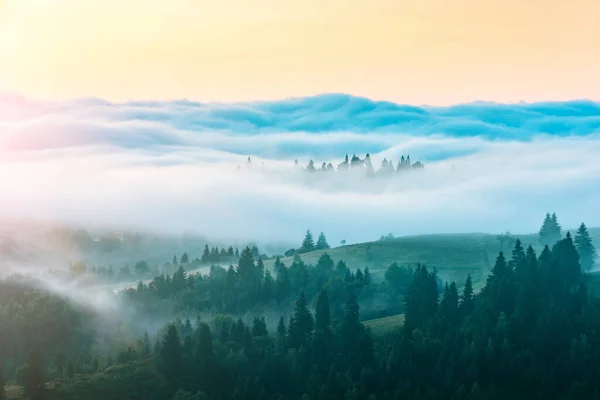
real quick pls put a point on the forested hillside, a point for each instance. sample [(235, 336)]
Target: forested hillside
[(245, 332)]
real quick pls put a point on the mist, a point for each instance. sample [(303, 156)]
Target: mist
[(171, 167)]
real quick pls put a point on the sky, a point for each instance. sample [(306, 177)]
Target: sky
[(436, 52)]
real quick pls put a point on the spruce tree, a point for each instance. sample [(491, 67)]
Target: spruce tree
[(322, 313), (246, 268), (545, 230), (449, 305), (466, 302), (308, 243), (369, 166), (185, 258), (322, 242), (170, 354), (556, 233), (585, 248), (205, 254), (175, 260), (367, 279), (280, 337), (301, 324), (311, 166)]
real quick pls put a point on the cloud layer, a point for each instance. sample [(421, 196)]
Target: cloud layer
[(170, 165)]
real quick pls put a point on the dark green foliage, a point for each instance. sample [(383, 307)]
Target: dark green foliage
[(301, 325), (585, 248), (32, 377), (421, 299), (185, 258), (308, 243), (170, 355), (550, 232), (321, 242), (531, 332)]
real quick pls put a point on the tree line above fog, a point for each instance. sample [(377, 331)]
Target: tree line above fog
[(356, 164)]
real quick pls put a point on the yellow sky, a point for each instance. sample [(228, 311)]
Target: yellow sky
[(410, 51)]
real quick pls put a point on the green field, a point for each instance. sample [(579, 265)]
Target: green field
[(381, 326), (453, 255)]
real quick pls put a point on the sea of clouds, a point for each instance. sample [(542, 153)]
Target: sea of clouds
[(170, 166)]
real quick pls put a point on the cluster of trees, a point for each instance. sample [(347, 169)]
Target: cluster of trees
[(35, 319), (530, 332), (551, 232), (308, 244), (251, 287), (357, 164)]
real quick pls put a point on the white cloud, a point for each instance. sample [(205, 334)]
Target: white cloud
[(170, 166)]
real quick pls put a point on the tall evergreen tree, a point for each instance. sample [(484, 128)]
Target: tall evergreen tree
[(185, 258), (175, 260), (449, 311), (170, 354), (585, 248), (311, 166), (301, 324), (246, 268), (466, 301), (308, 243), (322, 242), (205, 254), (369, 166), (545, 230), (422, 298)]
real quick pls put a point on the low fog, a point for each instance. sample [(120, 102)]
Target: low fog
[(171, 168)]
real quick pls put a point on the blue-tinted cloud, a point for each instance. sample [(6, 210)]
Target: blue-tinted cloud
[(170, 165)]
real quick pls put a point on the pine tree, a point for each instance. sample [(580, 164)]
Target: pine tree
[(260, 267), (369, 166), (322, 242), (518, 261), (280, 338), (246, 269), (308, 243), (556, 233), (422, 298), (324, 264), (545, 230), (311, 166), (175, 260), (184, 258), (466, 302), (205, 254), (170, 354), (449, 305), (259, 327), (367, 279), (230, 251), (322, 313), (301, 324), (585, 248)]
